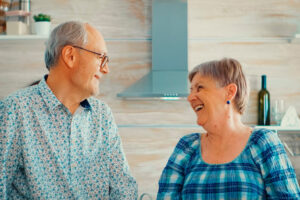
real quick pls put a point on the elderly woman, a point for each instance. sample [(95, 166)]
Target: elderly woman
[(231, 160)]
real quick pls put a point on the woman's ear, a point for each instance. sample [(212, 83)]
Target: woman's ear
[(231, 91), (68, 56)]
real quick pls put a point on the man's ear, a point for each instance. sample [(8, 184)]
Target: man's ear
[(231, 91), (68, 56)]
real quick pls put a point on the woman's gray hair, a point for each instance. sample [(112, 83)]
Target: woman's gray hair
[(68, 33), (224, 72)]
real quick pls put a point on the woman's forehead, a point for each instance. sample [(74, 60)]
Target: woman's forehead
[(200, 79)]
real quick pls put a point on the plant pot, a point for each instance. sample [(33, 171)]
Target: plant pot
[(42, 28)]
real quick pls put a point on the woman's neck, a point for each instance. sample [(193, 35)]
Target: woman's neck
[(221, 131)]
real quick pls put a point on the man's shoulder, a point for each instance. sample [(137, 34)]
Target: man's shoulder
[(21, 95), (18, 101), (98, 104)]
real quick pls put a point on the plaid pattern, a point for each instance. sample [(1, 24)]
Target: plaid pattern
[(261, 171)]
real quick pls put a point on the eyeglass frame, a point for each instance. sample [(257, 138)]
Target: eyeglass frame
[(105, 58)]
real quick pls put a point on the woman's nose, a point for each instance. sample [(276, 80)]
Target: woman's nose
[(191, 97)]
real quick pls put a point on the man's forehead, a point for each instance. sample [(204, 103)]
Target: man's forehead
[(93, 31), (95, 39)]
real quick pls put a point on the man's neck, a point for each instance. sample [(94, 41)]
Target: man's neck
[(62, 88)]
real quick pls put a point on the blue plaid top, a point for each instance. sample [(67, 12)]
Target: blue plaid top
[(48, 153), (261, 171)]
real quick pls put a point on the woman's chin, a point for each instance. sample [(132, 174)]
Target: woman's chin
[(200, 123)]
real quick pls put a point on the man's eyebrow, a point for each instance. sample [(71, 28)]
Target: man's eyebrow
[(102, 52)]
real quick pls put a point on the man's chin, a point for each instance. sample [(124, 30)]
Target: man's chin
[(95, 92)]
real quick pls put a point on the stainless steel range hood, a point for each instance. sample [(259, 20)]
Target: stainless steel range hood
[(168, 78)]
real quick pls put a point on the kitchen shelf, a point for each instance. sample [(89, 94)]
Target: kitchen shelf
[(244, 39), (23, 37), (281, 128), (17, 13), (201, 39)]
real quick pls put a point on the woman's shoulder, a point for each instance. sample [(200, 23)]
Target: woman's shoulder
[(263, 136), (188, 143), (191, 138), (185, 149), (265, 140)]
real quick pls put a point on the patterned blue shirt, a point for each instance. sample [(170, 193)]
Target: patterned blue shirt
[(261, 171), (48, 153)]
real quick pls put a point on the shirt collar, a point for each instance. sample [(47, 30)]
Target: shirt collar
[(85, 104), (50, 99)]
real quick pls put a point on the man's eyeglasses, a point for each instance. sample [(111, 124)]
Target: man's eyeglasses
[(105, 59)]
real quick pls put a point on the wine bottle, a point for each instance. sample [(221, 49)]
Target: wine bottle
[(264, 103)]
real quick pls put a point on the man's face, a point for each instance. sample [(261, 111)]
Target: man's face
[(87, 73)]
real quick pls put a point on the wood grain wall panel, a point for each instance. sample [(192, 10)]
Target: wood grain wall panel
[(234, 18), (129, 61), (21, 63), (116, 19), (155, 112), (126, 26), (148, 150), (279, 61)]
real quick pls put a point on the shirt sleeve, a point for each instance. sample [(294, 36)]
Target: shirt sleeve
[(172, 177), (122, 184), (277, 171), (9, 146)]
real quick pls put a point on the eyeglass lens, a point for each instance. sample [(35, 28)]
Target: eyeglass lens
[(105, 61)]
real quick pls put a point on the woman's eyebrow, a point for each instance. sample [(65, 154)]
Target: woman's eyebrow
[(194, 86)]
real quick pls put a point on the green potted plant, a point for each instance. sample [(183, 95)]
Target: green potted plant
[(42, 24)]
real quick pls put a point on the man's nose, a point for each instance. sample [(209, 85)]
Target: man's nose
[(104, 69)]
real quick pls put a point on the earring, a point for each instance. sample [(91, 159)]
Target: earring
[(228, 102)]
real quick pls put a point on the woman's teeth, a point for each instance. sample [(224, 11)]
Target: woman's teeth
[(197, 108)]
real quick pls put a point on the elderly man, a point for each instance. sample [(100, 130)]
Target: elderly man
[(56, 141)]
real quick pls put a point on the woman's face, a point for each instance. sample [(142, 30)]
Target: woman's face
[(208, 100)]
